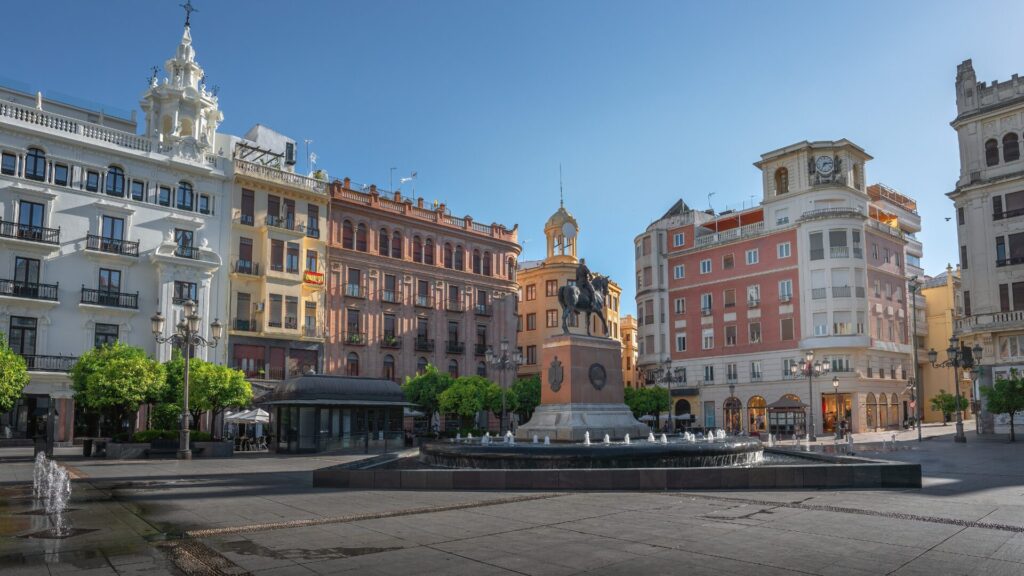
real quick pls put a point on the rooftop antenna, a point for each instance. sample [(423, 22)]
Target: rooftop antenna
[(309, 169), (561, 193), (188, 12), (710, 207)]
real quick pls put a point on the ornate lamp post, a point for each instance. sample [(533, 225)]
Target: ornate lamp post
[(504, 361), (835, 388), (810, 368), (959, 357), (185, 337)]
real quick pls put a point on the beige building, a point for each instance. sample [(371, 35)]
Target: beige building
[(540, 315), (627, 328), (943, 308)]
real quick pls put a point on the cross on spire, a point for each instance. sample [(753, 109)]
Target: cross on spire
[(188, 11)]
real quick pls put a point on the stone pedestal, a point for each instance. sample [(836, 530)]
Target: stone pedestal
[(581, 391)]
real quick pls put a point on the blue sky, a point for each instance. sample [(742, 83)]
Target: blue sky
[(641, 102)]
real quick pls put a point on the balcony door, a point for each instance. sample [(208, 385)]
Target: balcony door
[(26, 277), (30, 220), (109, 286), (23, 337), (113, 230)]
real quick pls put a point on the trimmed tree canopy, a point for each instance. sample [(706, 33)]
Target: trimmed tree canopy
[(13, 375), (1006, 396), (425, 388), (118, 377)]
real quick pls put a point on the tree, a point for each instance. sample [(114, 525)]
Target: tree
[(425, 388), (947, 404), (468, 395), (116, 379), (13, 375), (648, 400), (525, 395), (215, 388), (1006, 396)]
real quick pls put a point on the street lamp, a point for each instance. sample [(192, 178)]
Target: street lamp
[(809, 368), (186, 337), (913, 286), (503, 361), (959, 356), (835, 388)]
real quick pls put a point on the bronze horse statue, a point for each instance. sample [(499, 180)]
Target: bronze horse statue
[(574, 301)]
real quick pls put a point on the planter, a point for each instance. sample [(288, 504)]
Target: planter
[(126, 450)]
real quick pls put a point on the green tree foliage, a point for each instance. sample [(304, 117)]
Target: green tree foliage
[(1006, 396), (525, 395), (425, 388), (116, 379), (468, 395), (647, 400), (214, 387), (13, 375), (946, 403)]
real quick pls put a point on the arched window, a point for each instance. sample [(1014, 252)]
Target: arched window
[(389, 367), (348, 235), (481, 369), (511, 269), (487, 263), (460, 258), (448, 254), (428, 252), (477, 264), (186, 198), (361, 237), (396, 245), (421, 365), (352, 364), (883, 411), (682, 407), (869, 411), (417, 249), (991, 152), (383, 243), (115, 181), (894, 412), (732, 409), (757, 414), (453, 368), (1011, 147), (35, 165), (781, 181)]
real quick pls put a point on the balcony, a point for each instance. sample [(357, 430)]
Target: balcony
[(753, 302), (291, 323), (245, 325), (313, 233), (391, 342), (480, 349), (43, 363), (312, 331), (354, 338), (355, 291), (190, 252), (32, 290), (817, 293), (390, 296), (424, 345), (834, 212), (1008, 214), (30, 233), (111, 245), (109, 298), (423, 301), (989, 322), (246, 267), (453, 305), (246, 219), (785, 298), (748, 231), (454, 347), (839, 252), (705, 311), (841, 291), (285, 224), (1010, 261), (482, 309), (272, 174)]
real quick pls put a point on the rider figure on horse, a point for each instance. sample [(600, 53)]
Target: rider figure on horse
[(583, 277)]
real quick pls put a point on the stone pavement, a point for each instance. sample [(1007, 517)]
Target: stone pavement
[(258, 514)]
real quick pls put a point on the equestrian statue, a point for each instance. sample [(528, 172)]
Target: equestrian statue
[(588, 296)]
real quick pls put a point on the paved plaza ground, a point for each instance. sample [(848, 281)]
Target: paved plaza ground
[(258, 514)]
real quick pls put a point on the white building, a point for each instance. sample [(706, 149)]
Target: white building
[(101, 226)]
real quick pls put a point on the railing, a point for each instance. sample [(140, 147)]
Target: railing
[(748, 231), (291, 323), (108, 298), (391, 341), (1010, 261), (276, 267), (705, 382), (480, 349), (992, 320), (313, 232), (836, 212), (30, 233), (885, 228), (784, 298), (705, 311), (424, 345), (753, 302), (454, 347), (61, 123), (817, 293), (311, 331), (1007, 214), (111, 245), (756, 377), (423, 301), (32, 290), (247, 267), (43, 363), (839, 252), (390, 296), (179, 301), (482, 309), (354, 338), (272, 174), (285, 223), (355, 291), (246, 219), (190, 252), (841, 292), (453, 305), (245, 325)]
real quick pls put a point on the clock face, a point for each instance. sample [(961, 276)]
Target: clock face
[(824, 164)]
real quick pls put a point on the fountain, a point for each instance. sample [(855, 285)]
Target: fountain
[(607, 440), (664, 439), (509, 439), (469, 436), (458, 437), (626, 440), (650, 437), (51, 489), (586, 438), (534, 438), (547, 441)]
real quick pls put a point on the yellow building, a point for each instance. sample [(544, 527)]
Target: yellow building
[(630, 375), (277, 263), (943, 307), (540, 315)]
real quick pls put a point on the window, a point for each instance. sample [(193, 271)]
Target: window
[(277, 255), (754, 332), (727, 262), (459, 258), (820, 321), (23, 335), (755, 370), (8, 164), (184, 239), (817, 246), (115, 181), (421, 365), (291, 263), (531, 321), (531, 354), (551, 288), (531, 292), (967, 302), (681, 342), (185, 196), (312, 221), (680, 305), (707, 338), (92, 181), (1004, 297), (1011, 148), (383, 243), (348, 234), (311, 261), (705, 303), (782, 216), (35, 165), (60, 174), (448, 256), (991, 152), (487, 264), (731, 373), (647, 245), (551, 318), (729, 297), (730, 335), (678, 239), (709, 373), (106, 334), (678, 271), (754, 295), (109, 280), (963, 257), (784, 249), (781, 181), (453, 368), (752, 257), (785, 290), (138, 190), (428, 251), (477, 265), (705, 266), (352, 364), (184, 291), (204, 204), (361, 233), (786, 329)]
